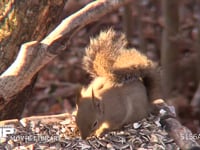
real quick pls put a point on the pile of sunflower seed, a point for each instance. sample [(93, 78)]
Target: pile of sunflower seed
[(63, 134)]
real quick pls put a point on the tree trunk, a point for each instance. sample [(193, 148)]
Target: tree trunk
[(169, 46), (143, 44), (128, 22), (196, 99), (23, 21)]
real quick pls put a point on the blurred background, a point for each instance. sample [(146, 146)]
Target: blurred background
[(167, 31)]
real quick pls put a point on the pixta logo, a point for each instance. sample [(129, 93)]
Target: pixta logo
[(6, 130)]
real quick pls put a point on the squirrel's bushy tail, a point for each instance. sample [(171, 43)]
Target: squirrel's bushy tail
[(106, 56), (102, 53)]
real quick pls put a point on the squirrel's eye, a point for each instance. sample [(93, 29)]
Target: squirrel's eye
[(95, 124)]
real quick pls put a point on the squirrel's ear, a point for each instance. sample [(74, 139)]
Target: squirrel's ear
[(97, 103), (93, 98), (92, 94), (78, 95)]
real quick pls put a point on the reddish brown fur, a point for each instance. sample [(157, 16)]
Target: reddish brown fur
[(125, 81)]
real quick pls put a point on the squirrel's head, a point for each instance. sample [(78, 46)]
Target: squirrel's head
[(89, 114)]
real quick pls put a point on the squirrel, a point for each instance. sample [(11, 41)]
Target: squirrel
[(125, 83)]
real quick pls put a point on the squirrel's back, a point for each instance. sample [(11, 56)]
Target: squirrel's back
[(107, 56)]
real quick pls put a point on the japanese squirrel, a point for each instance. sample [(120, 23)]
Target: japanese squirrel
[(125, 82)]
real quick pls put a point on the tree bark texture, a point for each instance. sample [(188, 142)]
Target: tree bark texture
[(196, 99), (23, 21), (169, 49), (128, 22)]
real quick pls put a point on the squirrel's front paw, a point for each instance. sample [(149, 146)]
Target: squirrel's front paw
[(104, 127)]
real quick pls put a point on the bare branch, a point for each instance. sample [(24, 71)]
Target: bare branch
[(181, 135), (34, 55)]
